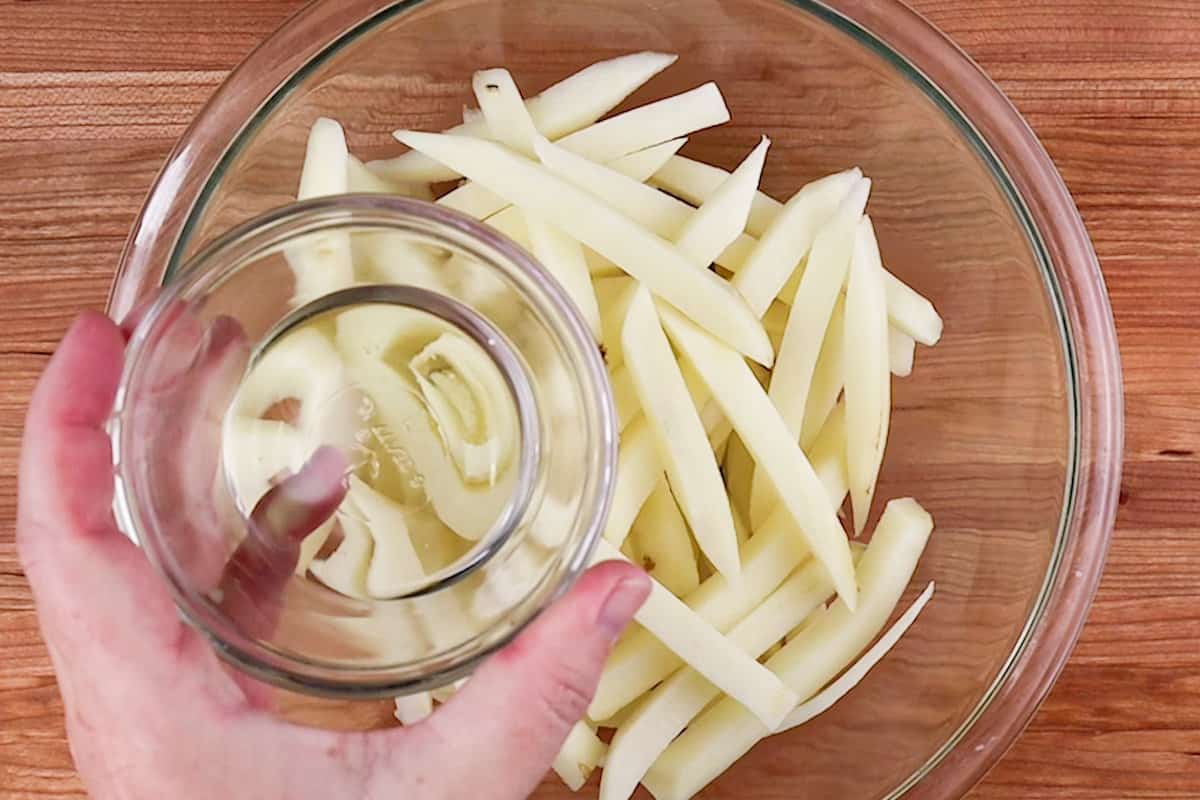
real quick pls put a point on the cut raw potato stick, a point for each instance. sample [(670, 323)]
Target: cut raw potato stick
[(626, 139), (835, 691), (639, 468), (395, 567), (901, 352), (584, 97), (345, 570), (563, 258), (787, 241), (624, 396), (640, 164), (696, 182), (664, 546), (503, 110), (445, 619), (722, 218), (507, 580), (638, 471), (613, 296), (679, 435), (614, 292), (829, 376), (467, 398), (326, 168), (912, 313), (639, 661), (555, 520), (683, 114), (581, 753), (775, 451), (616, 720), (908, 311), (303, 366), (828, 457), (322, 263), (701, 295), (704, 649), (513, 224), (390, 257), (258, 451), (468, 509), (567, 106), (411, 709), (824, 276), (666, 711), (373, 332), (725, 732), (868, 379), (360, 180), (718, 428), (509, 123), (659, 213), (437, 545), (475, 201)]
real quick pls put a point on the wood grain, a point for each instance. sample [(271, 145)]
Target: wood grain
[(93, 95)]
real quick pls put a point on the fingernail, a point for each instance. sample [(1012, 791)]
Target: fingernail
[(321, 476), (621, 604), (304, 501)]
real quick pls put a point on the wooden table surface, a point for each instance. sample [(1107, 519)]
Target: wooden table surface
[(93, 95)]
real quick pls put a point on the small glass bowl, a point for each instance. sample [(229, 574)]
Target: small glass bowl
[(177, 497)]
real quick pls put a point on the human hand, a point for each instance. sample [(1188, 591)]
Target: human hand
[(152, 713)]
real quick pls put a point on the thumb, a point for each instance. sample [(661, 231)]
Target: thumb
[(512, 717)]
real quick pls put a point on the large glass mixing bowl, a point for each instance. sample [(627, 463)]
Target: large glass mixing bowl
[(1009, 431)]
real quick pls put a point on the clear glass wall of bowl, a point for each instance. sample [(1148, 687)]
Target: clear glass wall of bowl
[(985, 432)]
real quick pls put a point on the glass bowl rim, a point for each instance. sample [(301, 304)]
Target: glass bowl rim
[(995, 131)]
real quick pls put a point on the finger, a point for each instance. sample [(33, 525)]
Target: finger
[(184, 415), (65, 480), (253, 581), (514, 714)]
